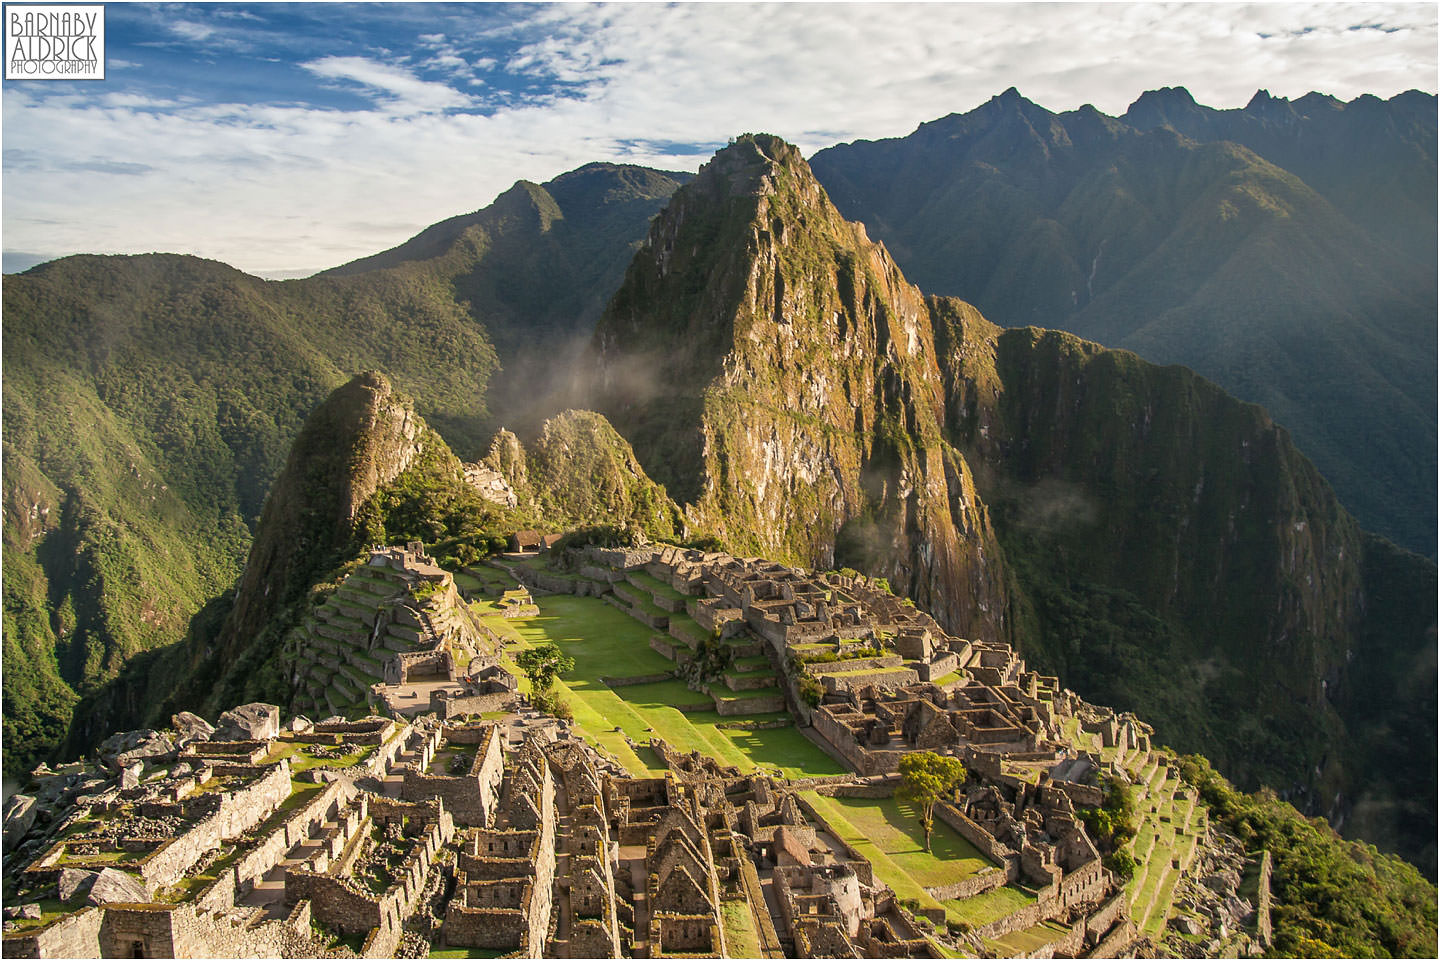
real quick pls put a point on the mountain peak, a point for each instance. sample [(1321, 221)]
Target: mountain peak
[(1266, 107), (1167, 106)]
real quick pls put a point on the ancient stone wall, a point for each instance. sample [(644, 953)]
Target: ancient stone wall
[(979, 883), (73, 936), (890, 680), (238, 811), (590, 938), (1262, 912), (763, 704), (855, 664), (1106, 916), (1083, 795), (1117, 943), (973, 833)]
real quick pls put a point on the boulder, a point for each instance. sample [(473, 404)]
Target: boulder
[(1188, 926), (248, 722), (192, 727), (22, 912), (121, 750), (1219, 882), (112, 886), (157, 748), (75, 883), (130, 775), (20, 813), (300, 724)]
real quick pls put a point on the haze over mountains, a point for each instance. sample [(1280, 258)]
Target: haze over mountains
[(1162, 546), (1286, 251)]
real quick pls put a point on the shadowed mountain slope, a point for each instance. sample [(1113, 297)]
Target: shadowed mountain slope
[(1276, 250)]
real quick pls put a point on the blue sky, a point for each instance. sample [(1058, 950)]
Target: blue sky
[(286, 138)]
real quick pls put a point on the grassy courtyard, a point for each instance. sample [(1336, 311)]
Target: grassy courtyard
[(606, 642), (888, 834)]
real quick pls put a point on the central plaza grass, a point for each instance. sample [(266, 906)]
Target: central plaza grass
[(606, 642)]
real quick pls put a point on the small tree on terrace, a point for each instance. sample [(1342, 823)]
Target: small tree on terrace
[(542, 665), (925, 778)]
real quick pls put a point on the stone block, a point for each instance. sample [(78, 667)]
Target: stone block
[(192, 726), (112, 886)]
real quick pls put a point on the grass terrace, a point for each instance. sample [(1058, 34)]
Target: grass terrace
[(1019, 943), (303, 756), (607, 642), (655, 586), (888, 833), (990, 906), (741, 938)]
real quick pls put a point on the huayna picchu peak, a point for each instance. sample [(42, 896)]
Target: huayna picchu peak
[(799, 558)]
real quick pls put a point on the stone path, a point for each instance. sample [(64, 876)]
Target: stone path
[(634, 854)]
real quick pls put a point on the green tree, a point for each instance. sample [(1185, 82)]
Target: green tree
[(926, 777), (542, 665)]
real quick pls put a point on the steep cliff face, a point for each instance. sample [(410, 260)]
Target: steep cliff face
[(1109, 474), (361, 438), (1161, 545), (778, 375)]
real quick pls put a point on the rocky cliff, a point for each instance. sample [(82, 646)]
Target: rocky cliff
[(775, 371)]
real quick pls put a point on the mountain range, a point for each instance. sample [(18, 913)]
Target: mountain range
[(1284, 250), (1160, 545)]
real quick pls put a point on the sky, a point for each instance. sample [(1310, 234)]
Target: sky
[(287, 138)]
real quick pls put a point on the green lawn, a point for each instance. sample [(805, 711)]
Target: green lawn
[(467, 583), (605, 641), (894, 828), (661, 694), (990, 906), (741, 939), (887, 870)]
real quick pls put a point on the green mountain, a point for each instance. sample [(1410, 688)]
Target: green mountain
[(150, 401), (1276, 250), (537, 267), (1373, 159), (1159, 544), (366, 469)]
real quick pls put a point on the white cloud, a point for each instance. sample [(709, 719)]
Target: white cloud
[(276, 189), (400, 89)]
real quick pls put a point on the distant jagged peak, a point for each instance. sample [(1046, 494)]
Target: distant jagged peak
[(1272, 109), (1165, 99)]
